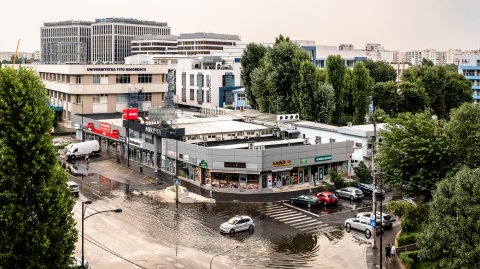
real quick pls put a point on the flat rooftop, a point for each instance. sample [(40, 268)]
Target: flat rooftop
[(218, 126)]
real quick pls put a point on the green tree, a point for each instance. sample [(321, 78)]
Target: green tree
[(37, 226), (450, 237), (361, 91), (262, 87), (336, 73), (337, 179), (380, 71), (324, 102), (385, 96), (427, 62), (412, 97), (362, 172), (322, 75), (415, 151), (307, 85), (348, 105), (251, 59), (464, 132)]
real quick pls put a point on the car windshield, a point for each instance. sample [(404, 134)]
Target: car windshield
[(331, 195), (73, 186), (232, 221)]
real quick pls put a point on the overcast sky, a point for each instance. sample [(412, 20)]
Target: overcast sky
[(396, 24)]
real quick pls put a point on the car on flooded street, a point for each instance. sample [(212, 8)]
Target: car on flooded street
[(362, 225), (237, 224), (306, 200), (387, 220), (351, 193), (327, 198)]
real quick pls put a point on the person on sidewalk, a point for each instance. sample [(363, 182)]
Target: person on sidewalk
[(393, 252), (388, 250)]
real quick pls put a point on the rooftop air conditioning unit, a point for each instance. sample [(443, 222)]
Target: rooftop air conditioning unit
[(305, 141)]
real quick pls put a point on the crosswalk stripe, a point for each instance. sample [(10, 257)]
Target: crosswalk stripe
[(289, 216), (284, 214), (307, 225), (112, 206), (279, 213), (103, 208), (303, 223), (292, 218), (314, 228), (274, 205), (272, 209), (297, 220)]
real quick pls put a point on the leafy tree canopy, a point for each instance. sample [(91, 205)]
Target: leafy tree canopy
[(251, 59), (380, 71)]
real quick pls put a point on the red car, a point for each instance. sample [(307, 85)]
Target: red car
[(327, 198)]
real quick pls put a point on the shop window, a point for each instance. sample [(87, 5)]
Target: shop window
[(78, 79), (123, 79), (145, 78), (358, 145), (332, 140)]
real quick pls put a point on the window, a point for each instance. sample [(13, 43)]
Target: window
[(200, 82), (78, 99), (123, 79), (192, 82), (122, 98), (147, 97), (332, 140), (97, 98), (241, 97), (478, 62), (78, 79), (145, 78), (358, 145), (318, 140), (192, 94), (96, 79)]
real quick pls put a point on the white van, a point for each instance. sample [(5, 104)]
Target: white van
[(83, 148)]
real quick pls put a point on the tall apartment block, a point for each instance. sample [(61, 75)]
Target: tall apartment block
[(470, 68), (205, 43), (65, 42), (112, 37), (154, 44)]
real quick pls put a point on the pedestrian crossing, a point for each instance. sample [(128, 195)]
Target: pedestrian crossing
[(293, 217)]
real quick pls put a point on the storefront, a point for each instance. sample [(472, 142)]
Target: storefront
[(105, 134)]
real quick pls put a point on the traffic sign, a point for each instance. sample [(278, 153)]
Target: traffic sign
[(373, 223), (176, 181)]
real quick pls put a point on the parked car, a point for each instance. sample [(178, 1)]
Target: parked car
[(82, 149), (361, 225), (74, 189), (327, 198), (368, 188), (387, 220), (351, 193), (306, 200), (237, 224)]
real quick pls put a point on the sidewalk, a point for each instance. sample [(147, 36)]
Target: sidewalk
[(373, 255)]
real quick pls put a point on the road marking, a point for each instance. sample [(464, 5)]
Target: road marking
[(273, 210), (293, 221), (179, 265), (112, 206), (331, 214), (291, 216), (307, 225), (130, 172), (314, 228), (305, 211), (168, 259), (104, 208), (274, 205), (283, 213), (301, 224), (113, 224)]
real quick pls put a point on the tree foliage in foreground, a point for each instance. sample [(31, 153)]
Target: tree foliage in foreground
[(451, 237), (37, 229)]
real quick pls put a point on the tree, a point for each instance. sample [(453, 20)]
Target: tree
[(362, 172), (37, 226), (412, 97), (450, 237), (464, 132), (380, 71), (308, 85), (336, 72), (415, 151), (324, 102), (251, 59), (262, 87), (361, 92), (427, 62), (385, 96)]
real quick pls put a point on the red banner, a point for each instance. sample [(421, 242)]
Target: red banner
[(105, 127), (130, 114)]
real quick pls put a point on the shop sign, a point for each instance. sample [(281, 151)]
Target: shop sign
[(116, 69), (234, 165), (304, 161), (105, 127), (323, 158), (121, 139), (282, 163), (135, 142), (203, 164), (153, 130), (130, 114)]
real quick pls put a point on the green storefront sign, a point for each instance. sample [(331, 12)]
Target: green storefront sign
[(303, 161), (323, 158), (203, 164)]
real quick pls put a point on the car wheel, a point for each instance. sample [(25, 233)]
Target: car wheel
[(325, 203), (351, 198), (348, 227), (251, 229), (368, 233), (232, 232), (309, 205)]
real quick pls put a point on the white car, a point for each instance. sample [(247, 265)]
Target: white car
[(387, 220), (359, 224), (237, 224), (351, 193), (73, 187)]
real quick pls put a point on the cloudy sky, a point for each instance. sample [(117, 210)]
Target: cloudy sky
[(396, 24)]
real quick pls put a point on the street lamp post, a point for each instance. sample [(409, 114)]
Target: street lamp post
[(84, 209), (374, 179), (381, 219), (81, 129), (220, 254)]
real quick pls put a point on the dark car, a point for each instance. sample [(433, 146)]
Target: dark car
[(306, 200), (327, 198), (368, 188)]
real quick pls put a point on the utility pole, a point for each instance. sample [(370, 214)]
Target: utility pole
[(374, 195), (176, 168)]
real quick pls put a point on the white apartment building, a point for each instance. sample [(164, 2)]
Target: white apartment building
[(85, 89), (155, 44), (205, 43), (351, 56), (398, 56), (65, 42), (112, 37), (414, 57)]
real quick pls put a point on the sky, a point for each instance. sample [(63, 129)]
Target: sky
[(396, 24)]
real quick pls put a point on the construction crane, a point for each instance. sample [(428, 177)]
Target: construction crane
[(15, 55)]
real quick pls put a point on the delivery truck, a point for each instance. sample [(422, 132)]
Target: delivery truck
[(82, 149)]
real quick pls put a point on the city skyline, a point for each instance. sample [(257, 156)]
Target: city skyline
[(397, 25)]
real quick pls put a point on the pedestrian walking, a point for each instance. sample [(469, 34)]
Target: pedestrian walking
[(87, 157), (388, 250), (393, 252)]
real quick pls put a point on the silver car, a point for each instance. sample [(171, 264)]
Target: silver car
[(237, 224), (351, 193), (361, 225)]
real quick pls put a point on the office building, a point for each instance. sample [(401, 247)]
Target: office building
[(470, 68), (155, 44), (205, 43)]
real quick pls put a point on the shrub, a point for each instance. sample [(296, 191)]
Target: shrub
[(337, 179), (362, 173), (407, 238), (398, 208), (409, 258)]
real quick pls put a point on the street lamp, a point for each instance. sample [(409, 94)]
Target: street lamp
[(84, 209), (374, 195), (176, 164), (220, 254)]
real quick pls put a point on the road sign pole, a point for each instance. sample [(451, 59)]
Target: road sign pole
[(176, 194)]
